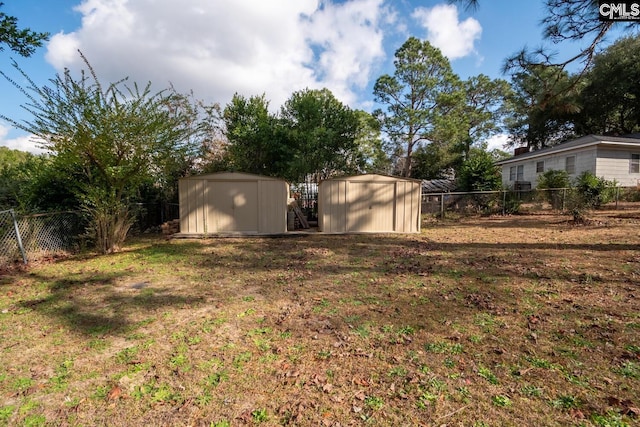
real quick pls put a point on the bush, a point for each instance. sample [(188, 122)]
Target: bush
[(552, 180), (594, 191)]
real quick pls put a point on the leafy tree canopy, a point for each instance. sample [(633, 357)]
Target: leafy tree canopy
[(113, 138), (22, 41)]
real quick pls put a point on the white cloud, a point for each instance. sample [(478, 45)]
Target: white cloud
[(445, 31), (497, 142), (219, 47), (23, 143)]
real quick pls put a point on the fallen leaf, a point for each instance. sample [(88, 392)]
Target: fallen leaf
[(115, 393)]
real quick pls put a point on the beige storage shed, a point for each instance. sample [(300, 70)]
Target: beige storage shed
[(369, 204), (231, 202)]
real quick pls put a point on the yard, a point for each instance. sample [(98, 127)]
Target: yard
[(522, 320)]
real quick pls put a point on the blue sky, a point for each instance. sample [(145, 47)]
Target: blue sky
[(218, 47)]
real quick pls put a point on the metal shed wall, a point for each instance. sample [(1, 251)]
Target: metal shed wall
[(369, 204), (231, 202)]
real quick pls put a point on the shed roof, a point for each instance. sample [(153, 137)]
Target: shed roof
[(371, 177), (439, 185), (231, 176), (574, 144)]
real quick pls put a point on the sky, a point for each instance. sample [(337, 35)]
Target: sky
[(215, 48)]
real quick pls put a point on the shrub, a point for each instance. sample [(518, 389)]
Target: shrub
[(552, 180), (594, 191)]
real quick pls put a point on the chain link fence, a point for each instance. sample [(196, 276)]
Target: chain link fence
[(30, 237), (510, 201)]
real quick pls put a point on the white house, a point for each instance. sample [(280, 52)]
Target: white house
[(608, 157)]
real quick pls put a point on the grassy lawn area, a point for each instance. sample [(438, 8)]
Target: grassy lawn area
[(523, 320)]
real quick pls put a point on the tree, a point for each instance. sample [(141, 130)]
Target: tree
[(610, 100), (422, 90), (479, 172), (538, 119), (566, 21), (116, 137), (22, 41), (320, 134), (252, 133), (482, 111), (369, 142)]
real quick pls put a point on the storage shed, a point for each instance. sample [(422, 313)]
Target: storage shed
[(231, 202), (369, 204)]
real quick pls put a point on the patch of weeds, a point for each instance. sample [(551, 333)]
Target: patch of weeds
[(59, 381), (164, 394), (194, 340), (449, 363), (260, 415), (425, 399), (406, 330), (633, 348), (323, 354), (374, 402), (351, 319), (443, 347), (286, 334), (628, 369), (318, 308), (487, 322), (610, 419), (398, 371), (248, 312), (204, 399), (248, 298), (34, 420), (476, 339), (240, 359), (486, 373), (464, 393), (22, 384), (387, 329), (98, 344), (530, 390), (100, 393), (213, 380), (221, 423), (127, 355), (179, 361), (501, 400), (437, 347), (263, 344), (6, 412), (566, 402), (210, 324), (362, 331), (539, 363)]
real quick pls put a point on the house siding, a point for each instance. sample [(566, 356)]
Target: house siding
[(585, 161), (614, 164)]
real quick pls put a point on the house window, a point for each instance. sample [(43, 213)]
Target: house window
[(540, 166), (634, 163), (570, 165), (516, 173)]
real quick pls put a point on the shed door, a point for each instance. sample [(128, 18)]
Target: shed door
[(233, 206), (372, 207)]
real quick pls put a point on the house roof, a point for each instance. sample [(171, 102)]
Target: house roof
[(583, 142)]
